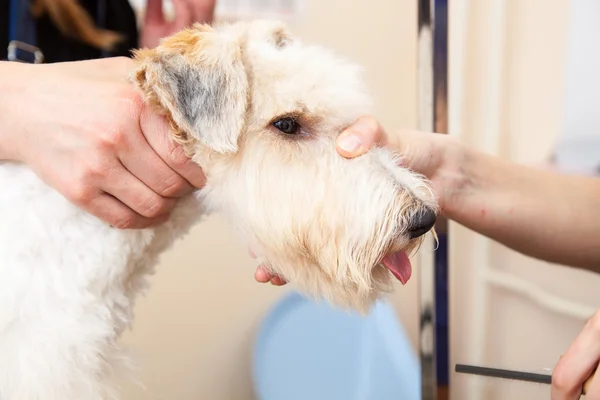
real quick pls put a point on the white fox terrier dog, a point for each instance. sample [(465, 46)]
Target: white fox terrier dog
[(259, 111)]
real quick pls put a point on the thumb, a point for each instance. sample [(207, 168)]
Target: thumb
[(357, 139)]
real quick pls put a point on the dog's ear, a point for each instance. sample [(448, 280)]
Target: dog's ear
[(197, 77)]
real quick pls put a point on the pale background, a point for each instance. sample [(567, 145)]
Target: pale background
[(194, 331)]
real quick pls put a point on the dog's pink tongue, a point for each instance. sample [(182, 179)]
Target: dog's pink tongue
[(400, 266)]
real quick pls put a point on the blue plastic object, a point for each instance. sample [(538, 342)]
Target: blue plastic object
[(311, 351)]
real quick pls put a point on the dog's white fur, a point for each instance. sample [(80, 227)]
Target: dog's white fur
[(68, 281)]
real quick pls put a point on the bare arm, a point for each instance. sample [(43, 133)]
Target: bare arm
[(543, 214), (11, 75)]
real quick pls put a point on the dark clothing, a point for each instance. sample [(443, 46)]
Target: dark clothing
[(120, 18)]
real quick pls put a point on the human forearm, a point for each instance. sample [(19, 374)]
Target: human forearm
[(12, 81), (543, 214)]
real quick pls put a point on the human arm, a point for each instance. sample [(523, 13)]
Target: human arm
[(84, 130), (547, 215)]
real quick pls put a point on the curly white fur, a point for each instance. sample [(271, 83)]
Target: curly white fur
[(68, 281)]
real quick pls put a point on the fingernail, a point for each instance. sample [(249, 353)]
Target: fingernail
[(350, 142)]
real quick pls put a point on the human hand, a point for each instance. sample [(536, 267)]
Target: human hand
[(187, 12), (421, 152), (88, 135), (570, 378)]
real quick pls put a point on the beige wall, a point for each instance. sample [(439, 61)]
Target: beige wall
[(194, 331)]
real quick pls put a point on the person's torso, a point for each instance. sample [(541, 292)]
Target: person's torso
[(119, 17)]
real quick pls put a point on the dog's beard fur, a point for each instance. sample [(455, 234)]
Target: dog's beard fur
[(328, 241)]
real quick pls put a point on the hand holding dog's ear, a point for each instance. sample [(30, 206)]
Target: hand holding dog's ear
[(89, 136)]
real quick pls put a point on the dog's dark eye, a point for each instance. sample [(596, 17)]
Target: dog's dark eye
[(287, 125)]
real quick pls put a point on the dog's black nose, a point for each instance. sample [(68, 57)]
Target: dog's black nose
[(421, 223)]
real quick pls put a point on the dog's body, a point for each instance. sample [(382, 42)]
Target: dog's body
[(68, 281), (67, 287)]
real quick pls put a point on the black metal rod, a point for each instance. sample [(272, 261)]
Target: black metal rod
[(504, 374)]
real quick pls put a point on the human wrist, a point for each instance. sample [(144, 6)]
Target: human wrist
[(451, 178)]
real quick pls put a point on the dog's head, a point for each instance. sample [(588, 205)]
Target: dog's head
[(259, 111)]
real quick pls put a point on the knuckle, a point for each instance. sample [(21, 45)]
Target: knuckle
[(130, 101), (130, 95), (173, 187), (93, 169), (154, 207), (112, 139), (126, 220), (371, 121), (369, 124), (79, 192), (560, 379), (594, 322), (86, 178), (177, 157)]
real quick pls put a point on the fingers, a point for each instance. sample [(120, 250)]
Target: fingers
[(204, 10), (106, 189), (261, 275), (591, 388), (119, 215), (183, 14), (360, 137), (278, 281), (183, 165), (125, 187), (578, 363), (143, 162), (154, 11), (157, 133)]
